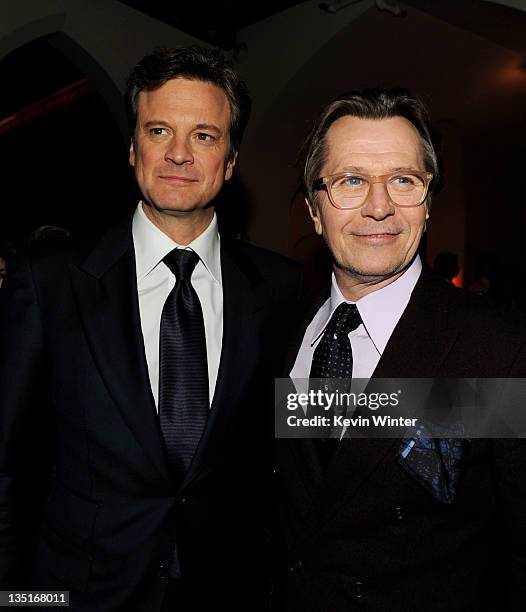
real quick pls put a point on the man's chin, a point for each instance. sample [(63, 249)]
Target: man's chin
[(371, 274), (174, 208)]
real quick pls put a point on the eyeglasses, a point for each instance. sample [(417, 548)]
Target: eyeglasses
[(350, 189)]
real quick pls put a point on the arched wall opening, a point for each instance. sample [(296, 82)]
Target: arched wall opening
[(63, 141)]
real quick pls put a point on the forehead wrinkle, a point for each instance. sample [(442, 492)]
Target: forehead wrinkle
[(373, 165), (374, 143), (344, 156)]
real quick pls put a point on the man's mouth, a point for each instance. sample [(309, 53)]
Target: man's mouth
[(376, 237), (176, 179)]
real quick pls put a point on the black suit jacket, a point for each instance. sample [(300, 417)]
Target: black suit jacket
[(367, 535), (74, 380)]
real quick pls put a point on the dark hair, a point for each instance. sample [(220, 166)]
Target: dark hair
[(48, 233), (197, 64), (371, 104)]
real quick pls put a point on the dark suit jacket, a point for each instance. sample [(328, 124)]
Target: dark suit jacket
[(367, 535), (74, 380)]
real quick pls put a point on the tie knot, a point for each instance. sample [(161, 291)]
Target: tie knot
[(181, 263), (345, 319)]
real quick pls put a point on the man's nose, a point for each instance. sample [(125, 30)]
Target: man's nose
[(179, 151), (378, 204)]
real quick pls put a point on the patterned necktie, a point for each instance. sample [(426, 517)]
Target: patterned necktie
[(332, 360), (183, 370), (333, 356)]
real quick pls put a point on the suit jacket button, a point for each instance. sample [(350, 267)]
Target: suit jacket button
[(399, 513), (358, 589), (164, 570), (296, 567), (182, 500)]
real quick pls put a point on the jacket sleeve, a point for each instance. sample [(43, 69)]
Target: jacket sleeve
[(24, 424)]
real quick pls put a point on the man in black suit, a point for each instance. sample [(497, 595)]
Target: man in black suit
[(142, 361), (405, 524)]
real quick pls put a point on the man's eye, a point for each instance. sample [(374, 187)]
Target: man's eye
[(405, 179), (157, 131), (204, 137), (352, 180)]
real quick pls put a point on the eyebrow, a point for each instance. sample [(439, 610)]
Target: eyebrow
[(153, 123), (200, 126), (208, 126)]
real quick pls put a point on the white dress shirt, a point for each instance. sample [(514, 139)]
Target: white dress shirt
[(155, 281), (380, 312)]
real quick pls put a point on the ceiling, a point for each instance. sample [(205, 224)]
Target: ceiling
[(213, 21), (218, 21), (500, 24)]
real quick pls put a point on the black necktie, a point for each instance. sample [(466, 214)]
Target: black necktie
[(333, 360), (183, 370)]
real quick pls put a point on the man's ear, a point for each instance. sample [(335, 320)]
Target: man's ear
[(131, 158), (229, 169), (314, 215), (427, 216)]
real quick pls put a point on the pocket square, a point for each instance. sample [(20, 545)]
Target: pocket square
[(436, 463)]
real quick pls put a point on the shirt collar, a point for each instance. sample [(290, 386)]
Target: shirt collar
[(380, 310), (152, 245)]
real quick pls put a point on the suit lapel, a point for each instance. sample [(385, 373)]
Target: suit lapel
[(424, 334), (244, 294), (105, 287), (301, 452), (305, 317)]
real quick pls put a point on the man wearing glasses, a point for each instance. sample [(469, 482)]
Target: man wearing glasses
[(378, 524)]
